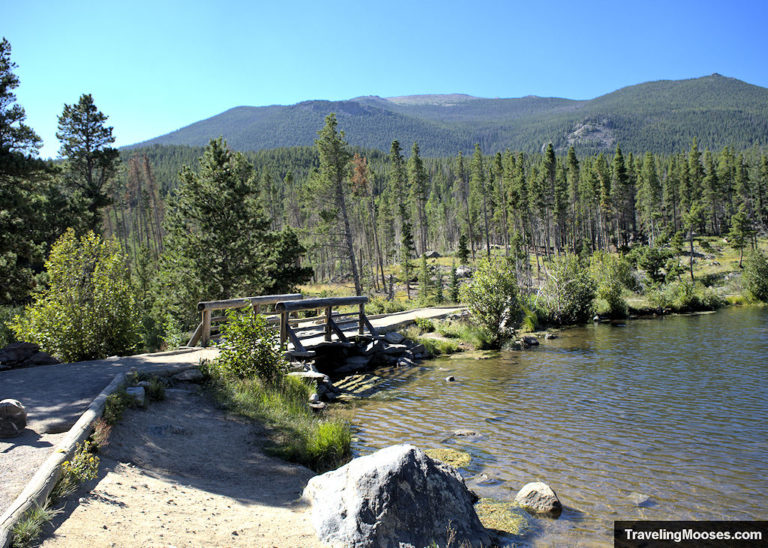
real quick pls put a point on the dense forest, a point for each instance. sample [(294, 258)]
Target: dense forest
[(660, 117), (209, 223)]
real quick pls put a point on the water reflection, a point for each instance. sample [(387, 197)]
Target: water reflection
[(670, 409)]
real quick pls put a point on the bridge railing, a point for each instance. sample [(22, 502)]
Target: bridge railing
[(259, 304), (297, 331)]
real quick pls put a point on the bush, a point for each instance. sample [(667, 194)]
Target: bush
[(653, 260), (493, 299), (755, 277), (6, 314), (88, 310), (249, 348), (610, 274), (568, 293), (425, 325), (83, 466)]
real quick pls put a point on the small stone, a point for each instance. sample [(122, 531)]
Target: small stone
[(539, 498), (641, 500), (137, 393), (13, 418), (464, 433), (550, 336), (530, 340), (405, 362), (189, 375), (596, 318), (450, 378), (394, 337), (314, 398)]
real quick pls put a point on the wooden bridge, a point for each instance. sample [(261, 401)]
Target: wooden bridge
[(323, 318), (332, 319)]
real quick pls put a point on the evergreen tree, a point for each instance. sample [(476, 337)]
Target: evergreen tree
[(91, 163), (417, 178), (218, 244), (407, 249), (334, 166)]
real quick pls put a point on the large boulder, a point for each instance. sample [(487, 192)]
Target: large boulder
[(13, 418), (24, 354), (537, 497), (395, 497)]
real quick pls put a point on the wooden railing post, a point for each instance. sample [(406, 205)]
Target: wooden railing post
[(361, 320), (328, 315), (283, 327), (206, 337)]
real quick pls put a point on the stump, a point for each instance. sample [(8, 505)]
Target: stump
[(13, 418)]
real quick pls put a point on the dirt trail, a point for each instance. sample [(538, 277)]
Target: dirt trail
[(185, 473)]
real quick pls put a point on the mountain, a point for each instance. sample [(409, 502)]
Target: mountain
[(660, 117)]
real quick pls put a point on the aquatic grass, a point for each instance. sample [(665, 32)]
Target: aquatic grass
[(297, 433), (452, 457), (504, 517)]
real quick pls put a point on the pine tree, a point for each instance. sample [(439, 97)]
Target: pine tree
[(91, 163), (417, 178), (334, 166)]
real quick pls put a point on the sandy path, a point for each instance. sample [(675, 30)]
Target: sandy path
[(184, 473)]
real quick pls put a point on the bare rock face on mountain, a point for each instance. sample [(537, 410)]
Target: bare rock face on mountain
[(395, 497)]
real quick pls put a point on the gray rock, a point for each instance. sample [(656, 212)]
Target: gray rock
[(641, 500), (550, 336), (16, 353), (539, 498), (418, 349), (189, 375), (393, 337), (354, 363), (450, 378), (432, 255), (530, 340), (314, 398), (465, 433), (41, 358), (395, 350), (137, 393), (373, 347), (463, 272), (13, 418), (405, 362), (395, 497)]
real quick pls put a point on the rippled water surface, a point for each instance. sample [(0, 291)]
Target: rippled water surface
[(674, 409)]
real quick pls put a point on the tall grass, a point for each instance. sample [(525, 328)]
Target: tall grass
[(297, 433)]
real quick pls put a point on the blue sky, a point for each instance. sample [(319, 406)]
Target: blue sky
[(153, 67)]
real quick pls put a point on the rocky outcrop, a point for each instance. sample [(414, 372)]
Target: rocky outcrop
[(13, 418), (395, 497), (539, 498), (24, 354)]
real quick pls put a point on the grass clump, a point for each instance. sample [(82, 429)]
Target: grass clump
[(30, 526), (117, 403), (453, 457), (298, 434), (505, 517)]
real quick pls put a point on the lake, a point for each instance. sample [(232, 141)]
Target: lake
[(672, 409)]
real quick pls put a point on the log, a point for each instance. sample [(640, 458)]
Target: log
[(247, 301), (309, 304)]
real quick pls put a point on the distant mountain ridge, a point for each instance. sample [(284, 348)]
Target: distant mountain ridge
[(660, 117)]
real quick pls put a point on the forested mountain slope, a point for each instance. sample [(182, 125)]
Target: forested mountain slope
[(660, 117)]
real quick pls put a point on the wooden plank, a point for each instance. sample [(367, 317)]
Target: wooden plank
[(339, 333), (370, 327), (196, 335), (308, 304), (246, 301)]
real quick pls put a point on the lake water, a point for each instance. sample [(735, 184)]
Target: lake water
[(675, 409)]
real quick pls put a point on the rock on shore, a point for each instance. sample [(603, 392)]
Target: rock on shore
[(395, 497)]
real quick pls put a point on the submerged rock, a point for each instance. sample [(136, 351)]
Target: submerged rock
[(539, 498), (395, 497)]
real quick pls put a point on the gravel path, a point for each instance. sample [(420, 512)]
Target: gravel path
[(55, 396)]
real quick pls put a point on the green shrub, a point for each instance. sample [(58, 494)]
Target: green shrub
[(568, 293), (378, 305), (653, 261), (755, 277), (249, 348), (611, 274), (116, 404), (425, 325), (493, 299), (688, 296), (88, 310)]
